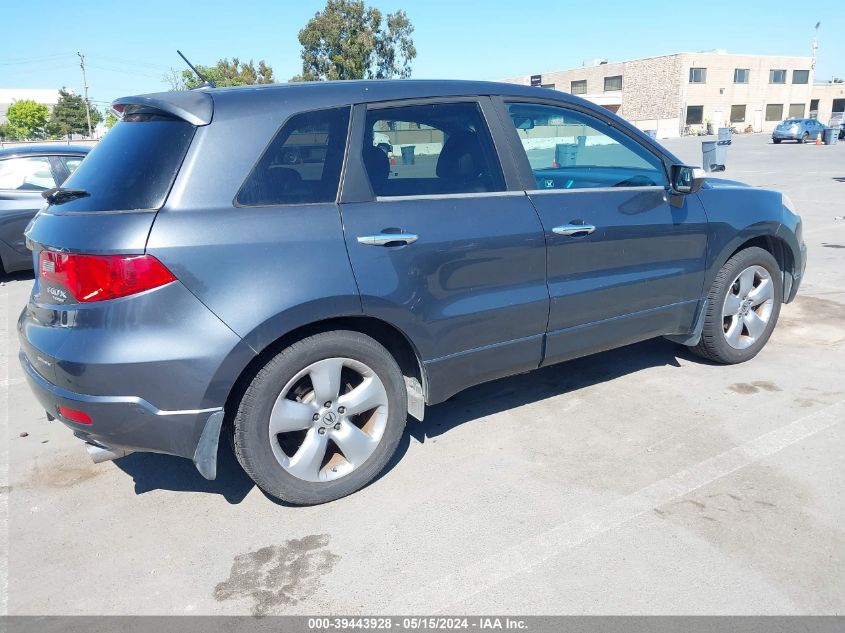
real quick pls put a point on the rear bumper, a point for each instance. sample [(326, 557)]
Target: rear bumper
[(129, 423), (785, 136)]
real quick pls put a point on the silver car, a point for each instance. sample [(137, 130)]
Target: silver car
[(801, 130)]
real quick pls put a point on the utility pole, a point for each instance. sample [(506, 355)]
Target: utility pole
[(85, 86), (816, 44)]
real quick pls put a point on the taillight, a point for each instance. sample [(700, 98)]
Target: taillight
[(100, 277), (75, 416)]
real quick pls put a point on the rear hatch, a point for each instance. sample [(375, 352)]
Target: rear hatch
[(89, 243), (108, 205)]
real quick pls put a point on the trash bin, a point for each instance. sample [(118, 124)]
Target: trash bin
[(724, 136), (408, 154), (830, 136), (652, 133), (566, 154), (713, 156)]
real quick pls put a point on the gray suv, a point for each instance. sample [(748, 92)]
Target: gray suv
[(299, 268)]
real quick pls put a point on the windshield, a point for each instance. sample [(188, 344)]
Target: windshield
[(133, 167)]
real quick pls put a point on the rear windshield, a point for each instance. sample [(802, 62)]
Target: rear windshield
[(133, 167)]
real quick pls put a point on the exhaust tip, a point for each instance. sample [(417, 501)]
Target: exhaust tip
[(100, 454)]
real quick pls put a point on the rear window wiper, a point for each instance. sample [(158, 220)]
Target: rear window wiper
[(58, 195)]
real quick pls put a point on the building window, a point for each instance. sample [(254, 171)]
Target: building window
[(814, 108), (774, 112), (695, 115), (777, 76), (737, 114), (741, 75), (800, 76), (613, 83), (697, 75), (579, 87), (796, 110), (549, 86)]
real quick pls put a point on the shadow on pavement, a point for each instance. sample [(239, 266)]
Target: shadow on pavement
[(152, 471), (163, 472)]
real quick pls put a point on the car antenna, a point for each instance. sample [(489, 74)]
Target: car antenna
[(206, 82)]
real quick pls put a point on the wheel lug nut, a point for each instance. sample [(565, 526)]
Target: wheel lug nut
[(337, 426), (321, 431), (328, 404), (315, 417), (341, 410)]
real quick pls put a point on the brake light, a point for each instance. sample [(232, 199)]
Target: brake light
[(100, 277), (75, 416)]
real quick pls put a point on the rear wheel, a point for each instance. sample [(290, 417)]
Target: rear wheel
[(742, 308), (804, 137), (322, 418), (776, 141)]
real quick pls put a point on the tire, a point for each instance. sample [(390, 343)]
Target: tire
[(726, 337), (776, 141), (804, 137), (287, 465)]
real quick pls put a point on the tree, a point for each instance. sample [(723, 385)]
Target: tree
[(347, 41), (224, 73), (110, 119), (68, 116), (26, 120)]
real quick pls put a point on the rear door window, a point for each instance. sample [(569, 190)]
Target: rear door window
[(568, 149), (26, 173), (432, 149), (302, 164), (133, 167)]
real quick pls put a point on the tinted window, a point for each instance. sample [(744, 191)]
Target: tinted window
[(133, 167), (302, 164), (777, 76), (579, 87), (572, 150), (613, 83), (697, 75), (695, 115), (796, 110), (774, 112), (800, 76), (737, 114), (430, 149), (31, 173)]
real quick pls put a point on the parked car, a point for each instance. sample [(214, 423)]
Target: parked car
[(24, 173), (191, 285), (801, 130)]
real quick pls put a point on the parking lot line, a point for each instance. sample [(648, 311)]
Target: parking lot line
[(488, 572)]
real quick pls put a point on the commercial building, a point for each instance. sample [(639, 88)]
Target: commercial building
[(684, 92)]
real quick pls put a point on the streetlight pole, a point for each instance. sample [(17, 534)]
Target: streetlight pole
[(85, 86)]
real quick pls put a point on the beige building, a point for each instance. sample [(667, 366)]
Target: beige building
[(681, 93)]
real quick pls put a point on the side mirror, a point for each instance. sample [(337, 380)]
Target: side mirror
[(686, 179), (523, 123)]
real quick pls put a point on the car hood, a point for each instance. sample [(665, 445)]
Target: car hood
[(723, 183)]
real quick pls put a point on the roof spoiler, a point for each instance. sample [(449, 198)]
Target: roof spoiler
[(194, 106)]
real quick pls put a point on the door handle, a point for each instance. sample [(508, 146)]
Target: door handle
[(574, 229), (383, 239)]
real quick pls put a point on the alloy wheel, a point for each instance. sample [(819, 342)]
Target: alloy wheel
[(748, 307), (328, 419)]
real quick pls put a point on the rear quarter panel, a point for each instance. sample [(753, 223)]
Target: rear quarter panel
[(263, 271)]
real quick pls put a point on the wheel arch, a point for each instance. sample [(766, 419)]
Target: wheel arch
[(397, 343)]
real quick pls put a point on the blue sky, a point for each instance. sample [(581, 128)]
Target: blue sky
[(129, 46)]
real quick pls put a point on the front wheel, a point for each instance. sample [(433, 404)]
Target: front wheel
[(742, 307), (776, 141), (322, 418)]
